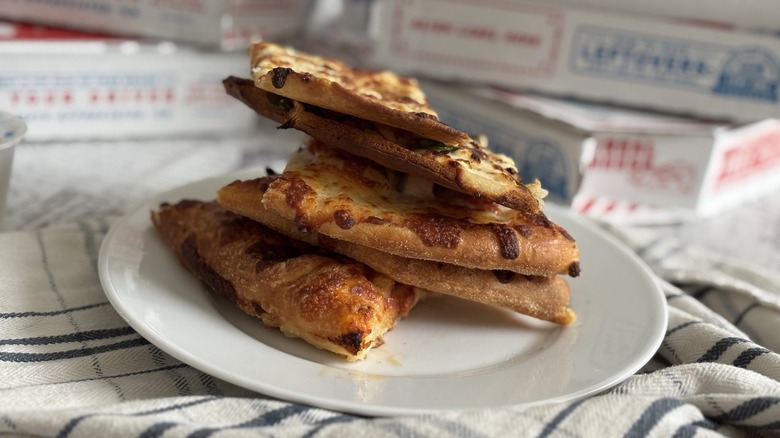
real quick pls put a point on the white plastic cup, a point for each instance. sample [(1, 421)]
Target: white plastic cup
[(12, 129)]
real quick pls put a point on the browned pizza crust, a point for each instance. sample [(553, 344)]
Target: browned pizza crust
[(545, 298), (398, 149), (333, 303), (352, 199), (380, 96)]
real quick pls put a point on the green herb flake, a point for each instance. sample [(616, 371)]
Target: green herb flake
[(279, 102), (434, 146)]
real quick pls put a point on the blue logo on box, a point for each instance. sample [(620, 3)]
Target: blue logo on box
[(544, 160), (750, 73), (747, 73)]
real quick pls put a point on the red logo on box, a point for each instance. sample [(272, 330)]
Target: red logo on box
[(29, 32), (636, 158), (478, 34), (748, 158), (624, 153)]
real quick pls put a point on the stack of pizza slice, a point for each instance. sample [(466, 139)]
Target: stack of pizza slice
[(383, 186)]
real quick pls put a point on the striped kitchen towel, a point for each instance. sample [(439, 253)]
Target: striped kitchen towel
[(71, 367)]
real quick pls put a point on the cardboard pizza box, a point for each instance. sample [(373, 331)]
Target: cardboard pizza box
[(225, 24), (589, 54), (758, 15), (70, 85), (599, 157)]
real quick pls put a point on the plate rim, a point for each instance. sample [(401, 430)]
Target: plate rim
[(279, 391)]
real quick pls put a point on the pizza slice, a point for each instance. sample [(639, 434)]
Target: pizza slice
[(379, 96), (349, 198), (328, 300), (380, 116), (545, 298)]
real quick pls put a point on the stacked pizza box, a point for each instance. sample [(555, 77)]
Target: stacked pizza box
[(105, 69), (69, 85), (751, 15), (635, 60), (690, 88), (225, 24)]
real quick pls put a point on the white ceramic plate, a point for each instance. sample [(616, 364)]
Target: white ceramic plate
[(448, 354)]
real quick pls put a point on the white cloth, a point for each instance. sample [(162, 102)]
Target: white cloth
[(71, 367)]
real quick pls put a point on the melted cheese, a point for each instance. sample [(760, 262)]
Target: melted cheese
[(365, 189)]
